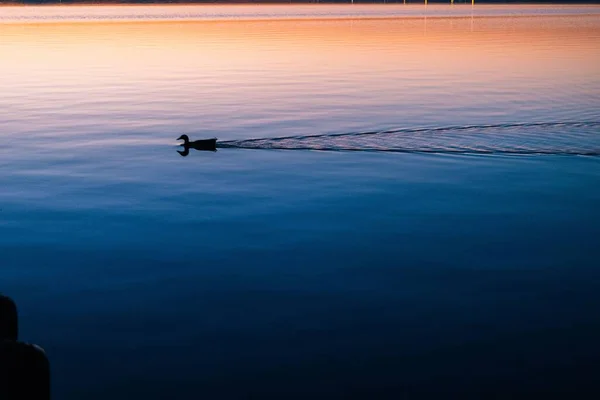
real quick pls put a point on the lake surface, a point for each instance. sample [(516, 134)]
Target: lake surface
[(404, 203)]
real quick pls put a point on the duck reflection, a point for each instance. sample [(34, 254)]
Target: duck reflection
[(204, 145)]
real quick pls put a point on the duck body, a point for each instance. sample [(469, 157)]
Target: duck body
[(203, 144)]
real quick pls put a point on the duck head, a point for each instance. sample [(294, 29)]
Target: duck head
[(185, 139)]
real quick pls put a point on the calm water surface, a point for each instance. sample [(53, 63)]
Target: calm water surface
[(458, 259)]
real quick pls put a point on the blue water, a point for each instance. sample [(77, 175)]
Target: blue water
[(456, 257)]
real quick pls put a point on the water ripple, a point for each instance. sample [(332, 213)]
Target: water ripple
[(571, 137)]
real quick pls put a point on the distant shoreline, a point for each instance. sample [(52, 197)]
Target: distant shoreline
[(282, 2), (196, 12)]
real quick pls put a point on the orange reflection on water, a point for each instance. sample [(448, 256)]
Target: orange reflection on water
[(169, 47), (399, 62)]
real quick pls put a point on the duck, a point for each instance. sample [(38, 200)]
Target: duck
[(203, 144)]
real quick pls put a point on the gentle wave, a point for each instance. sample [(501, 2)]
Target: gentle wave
[(575, 138)]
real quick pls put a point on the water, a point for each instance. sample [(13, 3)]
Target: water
[(442, 241), (576, 138)]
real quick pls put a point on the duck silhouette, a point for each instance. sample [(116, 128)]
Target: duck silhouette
[(203, 144)]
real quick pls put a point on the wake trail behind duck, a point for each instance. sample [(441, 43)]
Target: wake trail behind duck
[(576, 138)]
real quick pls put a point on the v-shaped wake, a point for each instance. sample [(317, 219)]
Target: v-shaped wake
[(577, 138)]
